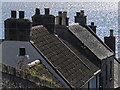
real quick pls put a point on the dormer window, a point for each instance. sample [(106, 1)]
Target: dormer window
[(21, 51)]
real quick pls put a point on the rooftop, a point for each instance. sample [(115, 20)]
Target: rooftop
[(91, 41), (72, 68), (42, 72)]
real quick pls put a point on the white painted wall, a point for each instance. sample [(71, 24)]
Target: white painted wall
[(119, 75), (116, 74), (10, 49)]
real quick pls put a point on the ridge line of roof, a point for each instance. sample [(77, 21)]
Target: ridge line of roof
[(99, 38), (95, 37), (56, 69), (73, 53)]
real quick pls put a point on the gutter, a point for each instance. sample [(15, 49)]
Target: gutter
[(98, 71)]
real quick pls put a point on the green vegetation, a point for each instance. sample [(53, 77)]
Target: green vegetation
[(35, 71)]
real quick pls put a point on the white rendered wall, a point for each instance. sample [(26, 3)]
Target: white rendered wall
[(116, 74), (10, 50)]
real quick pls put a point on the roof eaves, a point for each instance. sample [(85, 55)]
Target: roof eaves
[(93, 33), (55, 69), (92, 77)]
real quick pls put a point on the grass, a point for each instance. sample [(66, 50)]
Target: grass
[(35, 71)]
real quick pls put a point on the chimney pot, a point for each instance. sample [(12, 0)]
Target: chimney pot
[(77, 13), (82, 12), (111, 32), (92, 23), (37, 11), (13, 14), (60, 13), (21, 14), (64, 14), (46, 11)]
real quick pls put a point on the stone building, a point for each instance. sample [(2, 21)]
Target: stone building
[(83, 37), (73, 54)]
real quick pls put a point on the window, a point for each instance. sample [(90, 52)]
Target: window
[(21, 51), (110, 70), (100, 82), (106, 74), (88, 85), (96, 82)]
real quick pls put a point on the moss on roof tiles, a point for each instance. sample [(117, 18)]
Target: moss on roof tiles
[(68, 67)]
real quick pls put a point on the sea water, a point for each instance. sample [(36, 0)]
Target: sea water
[(103, 14)]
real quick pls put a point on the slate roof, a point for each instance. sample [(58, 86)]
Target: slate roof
[(72, 68), (91, 41), (92, 63), (42, 72)]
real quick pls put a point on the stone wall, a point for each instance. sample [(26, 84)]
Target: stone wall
[(13, 78), (106, 80)]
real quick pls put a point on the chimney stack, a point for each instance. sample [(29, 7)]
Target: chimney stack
[(111, 32), (62, 18), (93, 27), (17, 29), (110, 41), (46, 11), (13, 14), (47, 20), (80, 18), (21, 14), (37, 11)]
